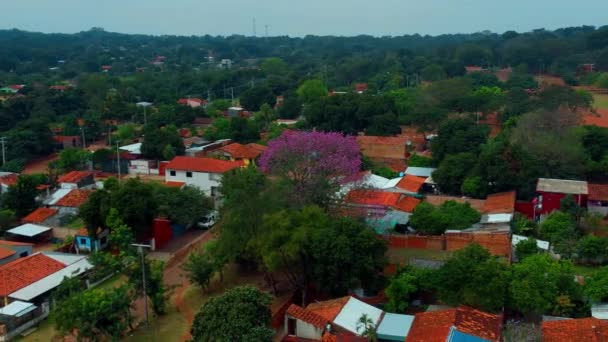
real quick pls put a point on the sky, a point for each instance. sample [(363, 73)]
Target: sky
[(300, 18)]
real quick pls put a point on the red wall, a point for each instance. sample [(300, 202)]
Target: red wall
[(161, 229), (551, 201)]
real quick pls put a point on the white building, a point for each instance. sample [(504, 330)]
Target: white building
[(204, 173)]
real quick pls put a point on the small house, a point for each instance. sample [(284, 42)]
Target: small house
[(42, 216), (552, 191), (83, 242), (598, 199), (76, 180), (21, 249), (31, 233), (7, 179), (70, 202), (203, 173), (247, 154)]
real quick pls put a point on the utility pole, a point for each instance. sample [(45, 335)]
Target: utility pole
[(140, 249), (3, 142), (118, 159)]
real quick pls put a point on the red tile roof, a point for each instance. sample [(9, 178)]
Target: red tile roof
[(378, 140), (394, 200), (74, 176), (9, 180), (239, 151), (599, 118), (411, 183), (14, 243), (328, 309), (574, 330), (5, 253), (307, 316), (407, 204), (207, 165), (39, 215), (598, 192), (435, 326), (74, 198), (22, 272), (175, 184), (503, 202)]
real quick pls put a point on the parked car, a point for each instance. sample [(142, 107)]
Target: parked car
[(208, 220)]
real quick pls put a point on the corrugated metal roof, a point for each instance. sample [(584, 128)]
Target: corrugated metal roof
[(420, 171), (544, 245), (57, 195), (17, 309), (29, 230), (496, 218), (599, 311), (562, 186), (133, 148), (349, 316), (394, 327), (52, 281)]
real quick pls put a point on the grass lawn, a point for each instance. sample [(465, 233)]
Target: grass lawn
[(600, 101), (403, 255)]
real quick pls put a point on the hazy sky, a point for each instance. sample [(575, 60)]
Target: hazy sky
[(300, 17)]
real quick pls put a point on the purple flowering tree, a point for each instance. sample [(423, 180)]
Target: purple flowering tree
[(312, 163)]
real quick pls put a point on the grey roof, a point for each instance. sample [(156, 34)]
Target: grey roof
[(29, 230), (562, 186), (600, 311), (17, 309), (395, 327), (420, 171)]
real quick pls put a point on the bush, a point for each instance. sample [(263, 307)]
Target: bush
[(429, 219)]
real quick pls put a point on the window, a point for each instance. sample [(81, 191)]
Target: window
[(189, 174), (83, 241), (291, 327), (172, 173), (23, 254)]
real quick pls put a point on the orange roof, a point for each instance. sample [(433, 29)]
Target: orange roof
[(9, 180), (503, 202), (598, 192), (599, 118), (408, 204), (239, 151), (207, 165), (5, 252), (476, 204), (74, 198), (378, 140), (22, 272), (411, 183), (14, 243), (328, 309), (39, 215), (436, 325), (74, 176), (373, 197), (175, 184), (307, 316), (574, 330)]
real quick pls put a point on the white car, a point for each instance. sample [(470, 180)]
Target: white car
[(208, 220)]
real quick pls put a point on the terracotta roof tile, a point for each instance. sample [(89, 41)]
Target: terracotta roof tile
[(407, 204), (574, 330), (22, 272), (503, 202), (239, 151), (74, 176), (14, 243), (328, 309), (6, 252), (373, 197), (411, 183), (599, 118), (307, 316), (207, 165), (598, 192), (39, 215), (74, 198), (435, 326), (9, 180)]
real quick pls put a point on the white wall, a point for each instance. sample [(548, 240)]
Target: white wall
[(305, 330), (201, 180)]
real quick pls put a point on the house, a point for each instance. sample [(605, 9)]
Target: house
[(21, 249), (598, 199), (31, 232), (407, 184), (459, 324), (575, 330), (587, 67), (86, 243), (42, 216), (193, 102), (77, 180), (239, 152), (106, 68), (67, 141), (7, 179), (361, 88), (234, 112), (336, 316), (12, 89), (204, 173), (552, 191), (382, 210), (71, 201)]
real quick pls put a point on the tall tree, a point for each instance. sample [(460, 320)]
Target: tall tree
[(21, 197)]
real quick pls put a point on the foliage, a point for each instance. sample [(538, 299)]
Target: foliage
[(569, 206), (239, 314), (473, 277), (136, 205), (538, 281), (253, 98), (404, 285), (201, 266), (312, 163), (67, 288), (311, 90), (157, 140), (592, 250), (557, 228), (73, 159), (458, 135), (366, 327), (525, 248), (7, 219), (596, 286), (21, 197), (182, 206), (155, 287), (121, 236), (94, 211), (416, 160), (428, 219), (96, 314)]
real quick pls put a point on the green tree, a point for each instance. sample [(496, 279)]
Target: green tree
[(596, 286), (21, 197), (73, 159), (473, 277), (96, 314), (311, 90), (405, 284), (525, 248), (592, 249), (433, 72), (121, 236), (94, 211), (252, 99), (538, 281), (452, 173), (183, 206), (157, 139), (240, 314), (7, 219), (275, 66), (458, 135), (428, 219), (155, 287), (136, 205), (200, 268), (558, 226), (67, 288), (367, 328)]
